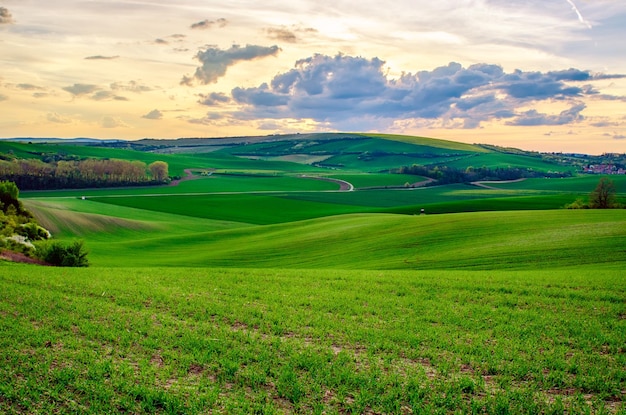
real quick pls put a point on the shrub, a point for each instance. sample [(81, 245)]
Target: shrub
[(33, 231), (72, 255), (577, 204), (18, 243)]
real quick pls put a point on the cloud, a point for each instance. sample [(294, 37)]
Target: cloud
[(111, 122), (57, 118), (355, 91), (132, 86), (97, 93), (533, 117), (161, 42), (283, 34), (216, 61), (5, 16), (288, 34), (214, 98), (107, 95), (580, 16), (3, 97), (605, 123), (544, 85), (153, 115), (29, 87), (81, 89), (208, 24), (100, 57)]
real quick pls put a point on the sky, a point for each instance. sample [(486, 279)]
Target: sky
[(542, 75)]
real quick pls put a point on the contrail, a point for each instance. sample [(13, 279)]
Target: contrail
[(580, 16)]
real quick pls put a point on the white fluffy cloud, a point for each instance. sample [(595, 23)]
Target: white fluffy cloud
[(344, 89)]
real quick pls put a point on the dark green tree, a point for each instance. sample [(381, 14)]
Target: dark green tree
[(604, 195), (9, 194)]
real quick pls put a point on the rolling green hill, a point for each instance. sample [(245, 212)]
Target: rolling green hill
[(352, 152), (256, 289), (489, 240)]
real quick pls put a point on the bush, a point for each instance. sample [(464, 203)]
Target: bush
[(577, 204), (72, 255), (33, 231)]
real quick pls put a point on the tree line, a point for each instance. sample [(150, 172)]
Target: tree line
[(34, 174), (449, 175)]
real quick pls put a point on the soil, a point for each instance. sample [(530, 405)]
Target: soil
[(19, 257)]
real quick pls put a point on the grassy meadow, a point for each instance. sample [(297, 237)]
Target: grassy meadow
[(259, 290), (213, 340)]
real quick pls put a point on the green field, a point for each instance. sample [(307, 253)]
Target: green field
[(257, 290), (177, 340)]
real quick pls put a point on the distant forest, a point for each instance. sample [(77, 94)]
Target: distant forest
[(448, 175), (34, 174)]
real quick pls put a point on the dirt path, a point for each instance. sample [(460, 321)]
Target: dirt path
[(189, 176), (485, 184), (423, 183), (344, 186)]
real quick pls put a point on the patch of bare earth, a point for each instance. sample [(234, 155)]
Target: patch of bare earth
[(19, 257)]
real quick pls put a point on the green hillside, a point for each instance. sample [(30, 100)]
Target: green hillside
[(295, 274), (489, 240)]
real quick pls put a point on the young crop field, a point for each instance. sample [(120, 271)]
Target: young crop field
[(210, 340), (271, 208), (495, 160), (212, 235), (377, 180), (577, 185)]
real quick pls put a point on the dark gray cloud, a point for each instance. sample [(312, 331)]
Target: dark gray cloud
[(282, 34), (533, 117), (81, 89), (344, 90), (100, 57), (153, 115), (546, 85), (107, 95), (214, 98), (216, 61), (29, 87), (208, 24), (291, 34), (5, 16)]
